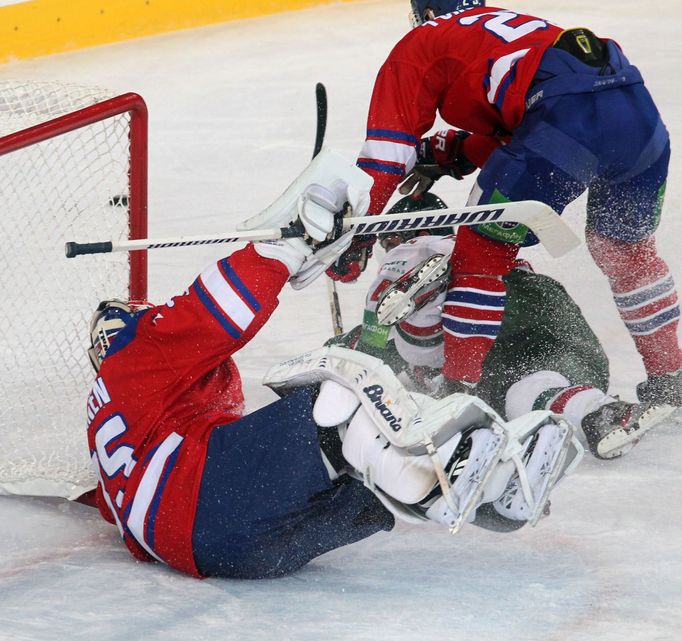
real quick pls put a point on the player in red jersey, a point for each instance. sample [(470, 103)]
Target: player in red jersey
[(191, 482), (547, 113), (168, 380)]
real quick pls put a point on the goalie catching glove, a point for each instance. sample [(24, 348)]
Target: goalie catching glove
[(328, 190)]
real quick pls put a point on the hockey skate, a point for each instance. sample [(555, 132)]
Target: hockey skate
[(540, 464), (413, 290), (470, 467), (664, 389), (614, 429)]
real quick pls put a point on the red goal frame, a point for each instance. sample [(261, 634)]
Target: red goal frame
[(135, 105)]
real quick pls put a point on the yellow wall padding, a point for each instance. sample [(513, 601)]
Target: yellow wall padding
[(42, 27)]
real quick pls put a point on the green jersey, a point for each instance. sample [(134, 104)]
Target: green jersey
[(542, 329)]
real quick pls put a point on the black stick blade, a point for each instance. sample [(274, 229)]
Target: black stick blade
[(321, 100)]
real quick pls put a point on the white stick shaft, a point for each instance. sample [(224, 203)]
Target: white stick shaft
[(553, 233)]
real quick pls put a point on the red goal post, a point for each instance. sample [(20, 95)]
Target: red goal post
[(73, 163)]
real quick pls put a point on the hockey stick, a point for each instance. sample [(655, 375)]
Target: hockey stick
[(552, 231), (321, 102), (321, 128)]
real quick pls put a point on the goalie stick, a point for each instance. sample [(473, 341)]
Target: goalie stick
[(552, 231), (320, 130)]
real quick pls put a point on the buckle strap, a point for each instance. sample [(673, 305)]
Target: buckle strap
[(584, 45)]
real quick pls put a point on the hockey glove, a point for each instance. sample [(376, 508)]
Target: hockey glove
[(438, 155), (320, 212), (353, 261)]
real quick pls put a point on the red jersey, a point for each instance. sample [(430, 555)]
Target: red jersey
[(165, 383), (474, 67)]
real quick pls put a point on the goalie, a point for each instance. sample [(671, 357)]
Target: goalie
[(192, 483)]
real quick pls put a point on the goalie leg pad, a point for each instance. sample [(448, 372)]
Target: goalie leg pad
[(545, 458), (407, 479), (453, 509), (376, 387)]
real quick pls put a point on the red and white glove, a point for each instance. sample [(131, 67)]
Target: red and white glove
[(348, 267), (318, 210)]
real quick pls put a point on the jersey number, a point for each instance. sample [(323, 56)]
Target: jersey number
[(496, 23), (114, 459)]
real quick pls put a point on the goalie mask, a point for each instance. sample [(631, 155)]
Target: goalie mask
[(110, 317), (425, 10)]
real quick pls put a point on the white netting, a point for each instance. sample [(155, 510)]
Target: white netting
[(52, 192)]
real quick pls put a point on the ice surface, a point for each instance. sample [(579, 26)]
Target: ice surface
[(232, 122)]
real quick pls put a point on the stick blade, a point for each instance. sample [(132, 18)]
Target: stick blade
[(552, 231)]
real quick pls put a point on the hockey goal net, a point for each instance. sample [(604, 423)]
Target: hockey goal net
[(73, 162)]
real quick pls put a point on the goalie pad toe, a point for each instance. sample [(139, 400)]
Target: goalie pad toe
[(485, 446), (547, 454)]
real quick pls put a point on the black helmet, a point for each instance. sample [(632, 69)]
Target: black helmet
[(424, 10), (423, 202)]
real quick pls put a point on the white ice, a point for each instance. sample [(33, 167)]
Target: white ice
[(232, 122)]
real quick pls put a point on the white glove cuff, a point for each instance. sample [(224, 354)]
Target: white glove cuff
[(291, 252)]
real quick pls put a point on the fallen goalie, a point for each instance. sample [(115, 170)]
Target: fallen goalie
[(191, 481)]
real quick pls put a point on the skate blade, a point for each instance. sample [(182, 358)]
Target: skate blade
[(467, 490), (621, 441), (397, 302)]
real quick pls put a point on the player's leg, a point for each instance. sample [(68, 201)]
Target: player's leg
[(540, 163), (624, 208), (266, 503), (548, 358), (611, 427)]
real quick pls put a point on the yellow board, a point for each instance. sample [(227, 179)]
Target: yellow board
[(41, 27)]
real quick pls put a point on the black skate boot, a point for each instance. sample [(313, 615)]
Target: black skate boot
[(662, 389)]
